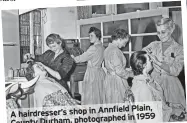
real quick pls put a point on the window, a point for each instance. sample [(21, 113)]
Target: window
[(125, 8), (99, 9), (171, 3), (24, 23), (37, 36), (30, 33)]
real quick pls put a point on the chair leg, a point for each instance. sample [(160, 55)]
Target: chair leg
[(72, 87)]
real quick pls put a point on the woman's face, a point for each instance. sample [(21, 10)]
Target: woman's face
[(148, 66), (93, 37), (39, 70), (123, 42), (163, 33), (55, 46)]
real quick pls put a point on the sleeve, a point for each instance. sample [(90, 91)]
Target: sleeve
[(42, 57), (150, 46), (86, 55), (178, 63), (65, 66), (119, 69)]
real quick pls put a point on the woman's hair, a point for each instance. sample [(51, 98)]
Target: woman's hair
[(96, 31), (120, 34), (137, 60), (166, 22), (56, 38), (29, 75)]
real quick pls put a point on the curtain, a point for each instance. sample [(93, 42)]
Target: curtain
[(84, 12)]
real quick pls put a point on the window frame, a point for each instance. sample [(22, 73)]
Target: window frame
[(164, 12)]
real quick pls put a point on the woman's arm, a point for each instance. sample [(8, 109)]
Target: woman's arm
[(162, 65), (65, 67), (150, 48), (178, 63), (117, 62), (52, 72), (38, 58), (175, 67), (86, 55)]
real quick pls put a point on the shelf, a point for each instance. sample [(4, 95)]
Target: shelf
[(9, 44)]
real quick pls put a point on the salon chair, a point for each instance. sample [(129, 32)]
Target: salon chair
[(77, 76)]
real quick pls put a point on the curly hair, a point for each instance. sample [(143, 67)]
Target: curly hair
[(56, 38), (29, 75), (137, 60), (168, 22), (96, 31), (120, 34)]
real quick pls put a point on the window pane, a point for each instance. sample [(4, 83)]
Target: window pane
[(139, 42), (106, 41), (126, 8), (109, 27), (171, 3), (99, 9), (85, 44), (144, 25), (128, 60), (84, 29), (126, 48)]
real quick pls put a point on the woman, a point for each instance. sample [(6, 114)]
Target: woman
[(56, 61), (115, 82), (144, 89), (168, 61), (47, 92), (94, 76)]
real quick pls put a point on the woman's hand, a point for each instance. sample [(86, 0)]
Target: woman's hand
[(155, 60), (41, 65), (28, 56), (73, 56), (149, 50)]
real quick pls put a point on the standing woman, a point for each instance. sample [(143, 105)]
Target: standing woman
[(94, 76), (168, 61), (115, 83), (56, 61)]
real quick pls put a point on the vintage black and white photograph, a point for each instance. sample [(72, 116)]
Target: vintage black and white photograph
[(96, 54)]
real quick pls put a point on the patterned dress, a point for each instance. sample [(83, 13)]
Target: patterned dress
[(94, 76), (11, 104), (173, 56), (115, 83)]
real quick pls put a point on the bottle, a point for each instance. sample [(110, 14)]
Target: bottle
[(11, 73), (16, 73), (22, 72)]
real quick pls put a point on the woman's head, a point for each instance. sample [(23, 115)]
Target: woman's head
[(121, 37), (165, 28), (55, 42), (34, 70), (94, 34), (140, 63)]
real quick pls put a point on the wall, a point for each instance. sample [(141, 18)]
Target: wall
[(10, 25), (61, 21)]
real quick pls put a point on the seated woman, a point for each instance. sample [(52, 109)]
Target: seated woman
[(47, 91), (145, 89)]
